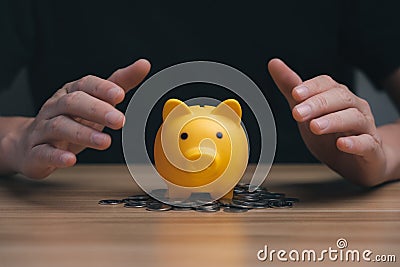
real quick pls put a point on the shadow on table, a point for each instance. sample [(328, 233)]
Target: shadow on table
[(330, 190), (33, 191)]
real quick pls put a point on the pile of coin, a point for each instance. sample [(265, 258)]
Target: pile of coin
[(242, 201)]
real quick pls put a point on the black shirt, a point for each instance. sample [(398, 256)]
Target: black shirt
[(61, 41)]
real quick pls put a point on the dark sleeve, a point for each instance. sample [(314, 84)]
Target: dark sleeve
[(370, 37), (17, 35)]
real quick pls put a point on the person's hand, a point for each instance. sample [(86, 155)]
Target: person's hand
[(336, 125), (72, 120)]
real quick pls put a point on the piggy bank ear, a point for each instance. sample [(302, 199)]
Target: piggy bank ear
[(179, 107), (229, 108)]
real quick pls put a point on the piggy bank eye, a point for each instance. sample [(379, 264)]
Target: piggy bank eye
[(219, 135), (184, 136)]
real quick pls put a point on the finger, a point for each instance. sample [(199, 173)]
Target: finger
[(313, 87), (87, 107), (350, 120), (326, 102), (132, 75), (285, 78), (46, 159), (46, 154), (99, 88), (62, 128), (363, 145)]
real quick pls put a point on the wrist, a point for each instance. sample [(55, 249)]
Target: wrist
[(392, 171), (391, 147), (11, 144), (7, 155)]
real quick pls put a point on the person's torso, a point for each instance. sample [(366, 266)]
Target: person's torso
[(73, 40)]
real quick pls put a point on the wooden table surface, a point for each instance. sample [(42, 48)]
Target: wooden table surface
[(58, 222)]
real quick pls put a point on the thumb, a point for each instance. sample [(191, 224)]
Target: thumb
[(285, 78), (132, 75)]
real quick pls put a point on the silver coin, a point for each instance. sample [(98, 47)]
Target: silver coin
[(135, 205), (291, 199), (261, 190), (183, 203), (260, 205), (201, 203), (248, 197), (276, 204), (176, 208), (162, 207), (245, 187), (110, 202), (242, 203), (153, 203), (269, 199), (238, 190), (133, 202), (235, 210), (207, 210)]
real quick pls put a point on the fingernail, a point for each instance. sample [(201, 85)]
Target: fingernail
[(114, 92), (114, 117), (348, 143), (303, 110), (301, 91), (65, 158), (322, 123), (98, 139)]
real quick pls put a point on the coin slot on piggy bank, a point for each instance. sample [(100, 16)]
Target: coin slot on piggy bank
[(201, 150)]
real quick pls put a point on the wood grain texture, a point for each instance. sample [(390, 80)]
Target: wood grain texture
[(57, 222)]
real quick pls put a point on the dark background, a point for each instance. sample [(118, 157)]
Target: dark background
[(73, 39)]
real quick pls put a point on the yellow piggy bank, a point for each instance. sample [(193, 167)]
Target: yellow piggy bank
[(201, 149)]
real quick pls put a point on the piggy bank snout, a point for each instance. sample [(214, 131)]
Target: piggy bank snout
[(195, 154), (206, 154)]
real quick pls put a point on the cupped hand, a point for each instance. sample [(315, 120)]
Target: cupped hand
[(336, 125), (73, 119)]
